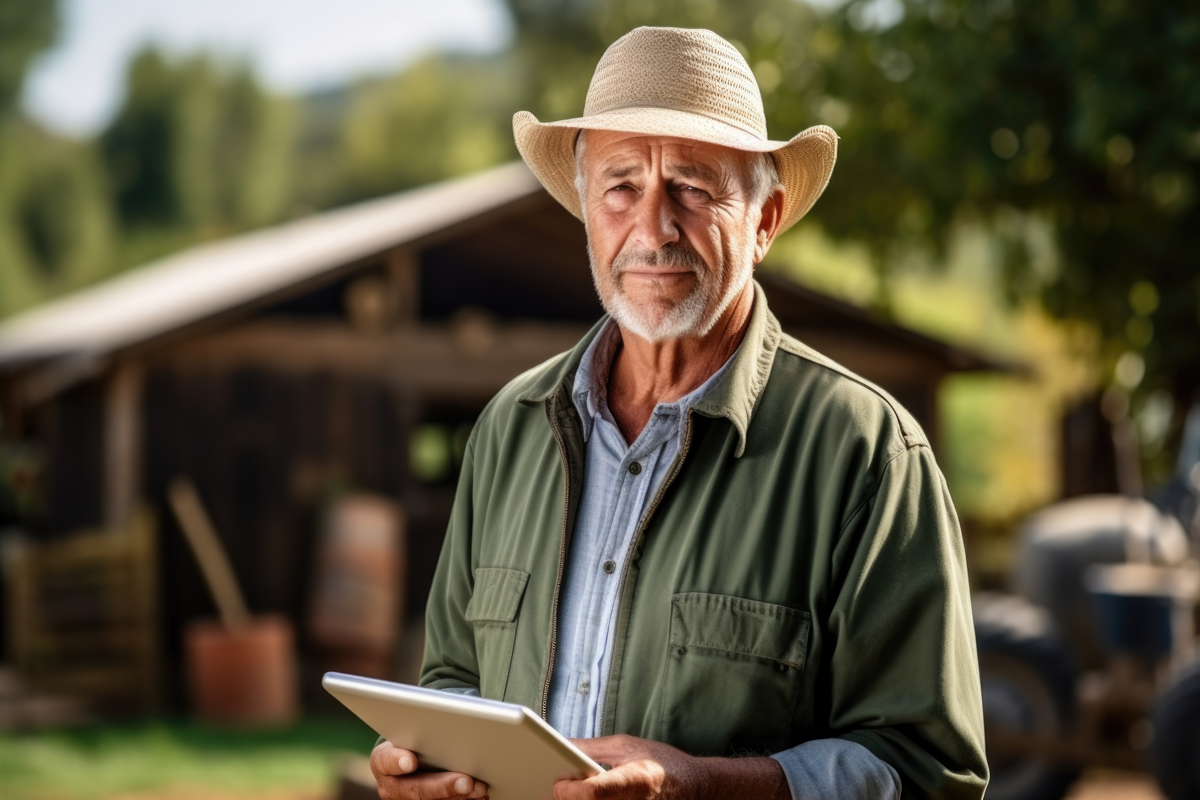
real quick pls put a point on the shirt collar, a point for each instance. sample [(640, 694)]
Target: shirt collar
[(590, 389)]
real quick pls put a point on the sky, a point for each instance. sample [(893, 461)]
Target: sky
[(295, 45)]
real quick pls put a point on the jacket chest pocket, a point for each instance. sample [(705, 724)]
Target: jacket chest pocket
[(492, 611), (733, 672)]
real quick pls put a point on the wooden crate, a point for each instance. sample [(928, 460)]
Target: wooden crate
[(84, 617)]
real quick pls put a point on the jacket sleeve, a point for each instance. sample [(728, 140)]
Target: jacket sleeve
[(450, 660), (903, 669)]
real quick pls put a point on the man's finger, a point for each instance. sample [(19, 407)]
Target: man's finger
[(431, 786), (574, 790), (387, 759), (609, 785)]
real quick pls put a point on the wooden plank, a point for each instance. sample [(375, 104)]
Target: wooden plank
[(404, 278), (430, 359), (122, 444)]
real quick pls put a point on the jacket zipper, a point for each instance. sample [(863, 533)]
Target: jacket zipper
[(641, 532), (562, 560)]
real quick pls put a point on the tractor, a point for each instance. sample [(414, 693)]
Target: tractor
[(1092, 659)]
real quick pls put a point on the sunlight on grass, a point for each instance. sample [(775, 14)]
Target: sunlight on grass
[(107, 762)]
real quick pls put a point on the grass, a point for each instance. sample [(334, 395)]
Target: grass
[(175, 757)]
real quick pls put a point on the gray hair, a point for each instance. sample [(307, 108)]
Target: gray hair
[(759, 173)]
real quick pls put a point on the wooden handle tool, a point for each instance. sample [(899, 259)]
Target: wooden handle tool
[(214, 563)]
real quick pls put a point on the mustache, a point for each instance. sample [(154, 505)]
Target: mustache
[(669, 255)]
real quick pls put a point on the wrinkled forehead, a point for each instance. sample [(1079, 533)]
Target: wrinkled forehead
[(621, 155)]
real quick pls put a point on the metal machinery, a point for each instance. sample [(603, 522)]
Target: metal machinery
[(1093, 660)]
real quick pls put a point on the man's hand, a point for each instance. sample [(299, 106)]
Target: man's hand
[(394, 768), (646, 770)]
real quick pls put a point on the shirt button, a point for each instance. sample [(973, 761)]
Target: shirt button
[(635, 468), (584, 687), (610, 567)]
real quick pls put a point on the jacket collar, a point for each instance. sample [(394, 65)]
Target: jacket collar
[(735, 397), (561, 374)]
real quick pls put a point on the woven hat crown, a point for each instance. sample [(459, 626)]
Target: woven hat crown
[(683, 83), (681, 69)]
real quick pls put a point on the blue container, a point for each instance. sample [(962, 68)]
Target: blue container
[(1142, 610), (1140, 625)]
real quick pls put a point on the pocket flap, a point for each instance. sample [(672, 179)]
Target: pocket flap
[(497, 595), (736, 625)]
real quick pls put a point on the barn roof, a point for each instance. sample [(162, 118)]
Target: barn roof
[(213, 278)]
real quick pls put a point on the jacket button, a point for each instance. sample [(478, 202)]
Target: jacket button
[(782, 667), (635, 468), (610, 567), (680, 651)]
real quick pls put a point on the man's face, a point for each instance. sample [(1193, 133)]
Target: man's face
[(672, 233)]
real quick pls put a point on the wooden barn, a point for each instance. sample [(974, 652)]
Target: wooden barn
[(347, 351)]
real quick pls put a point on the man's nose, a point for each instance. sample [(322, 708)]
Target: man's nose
[(656, 223)]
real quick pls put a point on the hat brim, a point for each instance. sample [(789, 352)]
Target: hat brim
[(804, 162)]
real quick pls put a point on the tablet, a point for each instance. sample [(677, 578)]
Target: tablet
[(507, 746)]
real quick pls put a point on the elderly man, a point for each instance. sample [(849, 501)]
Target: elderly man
[(725, 565)]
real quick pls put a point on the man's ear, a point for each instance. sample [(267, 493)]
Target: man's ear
[(769, 222)]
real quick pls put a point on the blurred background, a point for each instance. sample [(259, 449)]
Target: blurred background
[(263, 263)]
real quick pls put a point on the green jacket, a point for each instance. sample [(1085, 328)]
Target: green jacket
[(799, 574)]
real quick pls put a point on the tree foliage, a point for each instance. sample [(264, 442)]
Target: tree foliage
[(443, 116), (27, 27), (1085, 115), (56, 228), (199, 145), (55, 225)]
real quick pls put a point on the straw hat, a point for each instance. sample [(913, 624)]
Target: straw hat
[(677, 82)]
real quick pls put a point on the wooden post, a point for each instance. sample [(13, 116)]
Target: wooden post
[(10, 412), (122, 444), (403, 270)]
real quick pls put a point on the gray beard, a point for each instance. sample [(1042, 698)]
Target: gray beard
[(695, 315)]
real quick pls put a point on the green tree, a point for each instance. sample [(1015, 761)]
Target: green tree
[(139, 145), (56, 232), (1082, 115), (443, 116), (197, 149), (27, 27)]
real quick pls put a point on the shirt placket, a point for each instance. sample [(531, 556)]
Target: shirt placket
[(636, 471)]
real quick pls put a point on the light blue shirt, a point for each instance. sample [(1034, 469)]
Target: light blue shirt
[(619, 483)]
